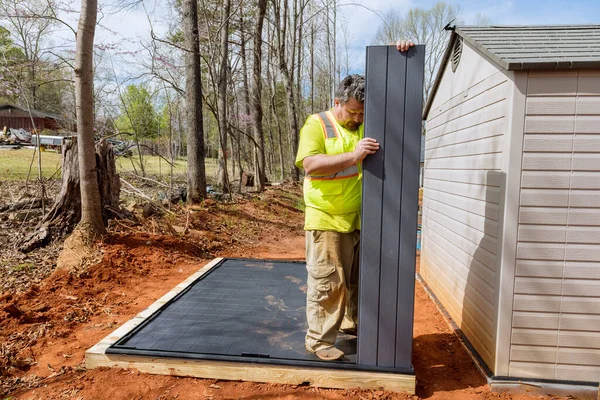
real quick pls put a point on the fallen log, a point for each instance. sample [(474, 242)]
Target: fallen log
[(26, 203)]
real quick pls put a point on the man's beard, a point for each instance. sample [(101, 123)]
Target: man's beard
[(351, 125)]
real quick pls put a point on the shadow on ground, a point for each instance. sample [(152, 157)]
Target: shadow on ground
[(442, 364)]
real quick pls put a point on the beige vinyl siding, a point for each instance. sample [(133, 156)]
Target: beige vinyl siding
[(556, 318), (463, 158)]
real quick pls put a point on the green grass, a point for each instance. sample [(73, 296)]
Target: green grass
[(153, 165), (158, 167), (14, 164), (21, 267)]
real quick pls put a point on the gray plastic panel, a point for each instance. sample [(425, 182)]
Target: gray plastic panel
[(394, 83)]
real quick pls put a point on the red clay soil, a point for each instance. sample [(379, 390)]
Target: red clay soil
[(45, 331)]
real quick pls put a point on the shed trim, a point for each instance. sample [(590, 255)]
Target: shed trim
[(440, 74), (508, 224)]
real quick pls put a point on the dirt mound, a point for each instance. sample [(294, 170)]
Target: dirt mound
[(67, 299), (53, 322)]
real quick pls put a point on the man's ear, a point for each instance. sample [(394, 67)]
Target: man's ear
[(336, 102)]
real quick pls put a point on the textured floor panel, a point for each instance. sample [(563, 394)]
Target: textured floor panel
[(242, 308)]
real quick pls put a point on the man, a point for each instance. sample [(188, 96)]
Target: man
[(331, 151)]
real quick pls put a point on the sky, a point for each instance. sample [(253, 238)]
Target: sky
[(128, 27), (501, 12)]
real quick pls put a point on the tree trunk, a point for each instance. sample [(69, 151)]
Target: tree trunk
[(336, 72), (180, 147), (293, 120), (312, 67), (281, 157), (196, 173), (330, 69), (271, 79), (67, 209), (108, 181), (223, 178), (301, 109), (259, 137), (244, 142), (91, 204), (272, 113), (289, 86)]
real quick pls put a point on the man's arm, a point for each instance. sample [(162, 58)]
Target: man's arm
[(329, 164)]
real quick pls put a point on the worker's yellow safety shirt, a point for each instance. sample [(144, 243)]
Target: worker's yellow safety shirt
[(332, 202)]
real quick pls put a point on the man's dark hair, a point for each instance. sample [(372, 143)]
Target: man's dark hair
[(351, 86)]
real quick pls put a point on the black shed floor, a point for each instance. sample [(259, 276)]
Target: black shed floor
[(238, 319), (240, 309)]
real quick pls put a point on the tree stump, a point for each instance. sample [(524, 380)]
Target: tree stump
[(247, 179), (66, 211)]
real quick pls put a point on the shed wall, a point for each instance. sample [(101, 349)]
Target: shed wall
[(466, 126), (556, 318)]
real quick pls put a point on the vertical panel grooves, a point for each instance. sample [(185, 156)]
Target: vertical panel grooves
[(389, 215), (392, 193), (400, 215), (382, 143), (381, 215), (372, 214), (409, 206)]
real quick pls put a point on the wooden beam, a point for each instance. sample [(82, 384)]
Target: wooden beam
[(245, 371)]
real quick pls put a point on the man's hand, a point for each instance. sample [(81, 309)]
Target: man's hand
[(404, 45), (365, 147)]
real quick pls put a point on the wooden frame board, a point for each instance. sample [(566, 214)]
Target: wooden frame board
[(235, 370)]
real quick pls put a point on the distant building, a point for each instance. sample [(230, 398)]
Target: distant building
[(15, 117), (511, 199)]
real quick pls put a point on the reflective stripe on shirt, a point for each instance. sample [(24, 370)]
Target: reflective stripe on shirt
[(331, 132)]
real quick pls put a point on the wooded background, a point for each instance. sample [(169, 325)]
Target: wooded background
[(233, 80)]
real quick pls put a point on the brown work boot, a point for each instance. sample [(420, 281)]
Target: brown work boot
[(350, 331), (327, 354)]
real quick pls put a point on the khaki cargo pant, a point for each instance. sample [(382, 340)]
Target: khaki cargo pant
[(332, 294)]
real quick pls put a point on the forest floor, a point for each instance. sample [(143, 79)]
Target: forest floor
[(48, 318)]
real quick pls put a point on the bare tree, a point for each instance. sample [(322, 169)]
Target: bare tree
[(259, 137), (272, 82), (196, 180), (91, 205), (281, 22), (423, 27), (246, 91), (223, 179), (42, 75), (313, 33)]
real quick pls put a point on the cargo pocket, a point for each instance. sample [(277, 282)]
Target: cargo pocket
[(319, 285)]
